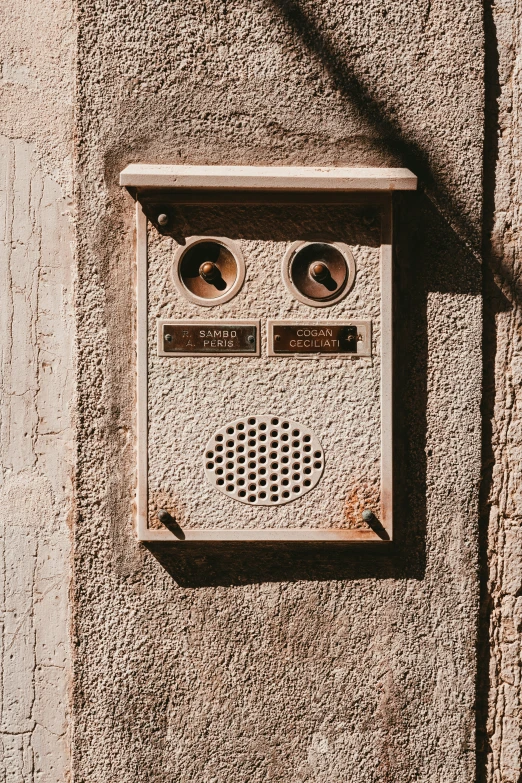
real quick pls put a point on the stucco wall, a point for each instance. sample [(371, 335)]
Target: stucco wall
[(283, 665), (500, 669), (247, 665)]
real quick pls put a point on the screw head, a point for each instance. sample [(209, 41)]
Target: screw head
[(164, 517), (163, 219), (168, 338), (250, 338), (367, 515)]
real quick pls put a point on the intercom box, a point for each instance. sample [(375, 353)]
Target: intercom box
[(264, 403)]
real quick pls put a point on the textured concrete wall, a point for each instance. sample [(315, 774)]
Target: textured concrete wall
[(36, 387), (278, 665), (500, 672), (252, 673), (247, 665)]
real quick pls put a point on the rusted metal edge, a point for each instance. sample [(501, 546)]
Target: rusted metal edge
[(311, 535)]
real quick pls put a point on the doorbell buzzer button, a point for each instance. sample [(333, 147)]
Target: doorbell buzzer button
[(318, 273), (208, 270)]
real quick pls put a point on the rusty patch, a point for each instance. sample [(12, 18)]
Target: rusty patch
[(157, 500), (361, 497)]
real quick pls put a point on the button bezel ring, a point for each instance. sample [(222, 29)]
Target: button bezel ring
[(298, 284)]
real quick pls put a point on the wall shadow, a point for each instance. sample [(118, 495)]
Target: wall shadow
[(429, 256), (495, 274), (204, 564), (495, 271), (392, 140), (241, 563)]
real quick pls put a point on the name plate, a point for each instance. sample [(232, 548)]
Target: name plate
[(208, 338), (324, 338)]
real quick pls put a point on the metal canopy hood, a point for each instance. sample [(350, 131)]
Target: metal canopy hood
[(267, 178)]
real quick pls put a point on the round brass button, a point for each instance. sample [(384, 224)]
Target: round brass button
[(209, 271), (319, 271)]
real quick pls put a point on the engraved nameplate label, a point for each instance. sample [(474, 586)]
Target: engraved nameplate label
[(204, 338), (333, 338)]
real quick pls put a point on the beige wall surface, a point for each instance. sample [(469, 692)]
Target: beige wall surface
[(500, 664), (240, 664), (37, 46), (244, 664)]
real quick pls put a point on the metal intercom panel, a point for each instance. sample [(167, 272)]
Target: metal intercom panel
[(265, 352)]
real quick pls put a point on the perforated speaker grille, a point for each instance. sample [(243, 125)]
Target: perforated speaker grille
[(264, 460)]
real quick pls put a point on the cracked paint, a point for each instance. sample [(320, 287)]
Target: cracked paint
[(35, 467)]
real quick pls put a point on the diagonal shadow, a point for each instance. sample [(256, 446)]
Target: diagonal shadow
[(410, 153), (360, 97), (415, 158), (494, 303)]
